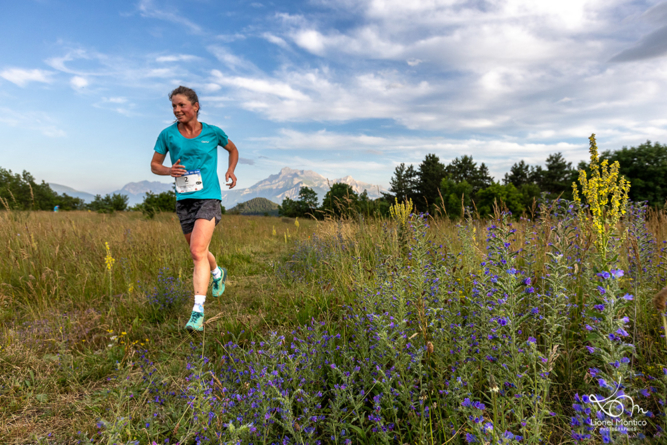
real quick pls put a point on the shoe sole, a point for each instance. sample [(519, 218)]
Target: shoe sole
[(193, 329)]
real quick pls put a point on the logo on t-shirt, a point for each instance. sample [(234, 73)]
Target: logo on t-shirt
[(205, 142)]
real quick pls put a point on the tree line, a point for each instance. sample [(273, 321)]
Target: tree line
[(432, 186), (340, 200), (22, 192)]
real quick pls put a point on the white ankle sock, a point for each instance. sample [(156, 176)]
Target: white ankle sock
[(217, 273), (199, 303)]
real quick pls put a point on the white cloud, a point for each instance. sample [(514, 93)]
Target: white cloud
[(147, 8), (498, 154), (211, 87), (22, 77), (275, 40), (177, 58), (111, 71), (78, 82), (330, 168), (518, 69), (316, 95), (228, 38), (215, 100), (160, 72), (311, 40), (231, 60), (115, 100), (262, 86), (32, 120), (117, 104)]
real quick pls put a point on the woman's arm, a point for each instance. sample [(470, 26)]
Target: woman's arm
[(233, 160), (175, 170)]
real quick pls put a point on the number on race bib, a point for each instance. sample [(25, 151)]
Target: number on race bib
[(190, 182)]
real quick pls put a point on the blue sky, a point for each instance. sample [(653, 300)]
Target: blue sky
[(339, 87)]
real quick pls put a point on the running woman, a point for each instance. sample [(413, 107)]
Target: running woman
[(193, 148)]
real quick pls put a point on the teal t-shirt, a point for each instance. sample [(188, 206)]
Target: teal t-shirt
[(200, 153)]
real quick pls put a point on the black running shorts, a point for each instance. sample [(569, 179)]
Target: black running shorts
[(190, 210)]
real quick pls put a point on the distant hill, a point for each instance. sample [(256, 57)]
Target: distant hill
[(256, 206), (287, 184), (135, 191), (60, 189)]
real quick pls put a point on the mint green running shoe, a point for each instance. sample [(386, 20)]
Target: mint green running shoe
[(196, 322), (219, 284)]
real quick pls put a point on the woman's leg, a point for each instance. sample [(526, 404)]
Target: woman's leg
[(199, 241), (211, 259)]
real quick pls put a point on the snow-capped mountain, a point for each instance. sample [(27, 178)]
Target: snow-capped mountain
[(287, 184)]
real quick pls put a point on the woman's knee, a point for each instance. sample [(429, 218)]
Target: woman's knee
[(199, 253)]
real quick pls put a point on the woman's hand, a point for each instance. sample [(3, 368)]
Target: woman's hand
[(174, 171), (177, 170), (230, 176)]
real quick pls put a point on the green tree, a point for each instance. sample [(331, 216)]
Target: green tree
[(307, 204), (465, 169), (289, 208), (505, 196), (646, 168), (109, 203), (156, 203), (431, 173), (341, 199), (22, 192), (530, 195), (558, 177), (455, 195), (66, 202), (520, 173), (403, 184)]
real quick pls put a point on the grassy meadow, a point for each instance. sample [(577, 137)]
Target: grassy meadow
[(67, 321), (407, 330)]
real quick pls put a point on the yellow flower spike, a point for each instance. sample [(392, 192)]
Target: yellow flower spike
[(401, 212), (605, 192), (109, 260)]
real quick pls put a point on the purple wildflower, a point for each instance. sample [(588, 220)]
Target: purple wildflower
[(618, 273)]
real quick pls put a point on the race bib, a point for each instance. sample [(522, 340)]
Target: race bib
[(190, 182)]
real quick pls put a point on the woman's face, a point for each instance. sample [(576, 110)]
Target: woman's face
[(184, 110)]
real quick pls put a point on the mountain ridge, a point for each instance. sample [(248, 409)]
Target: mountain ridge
[(276, 187), (288, 182), (63, 189)]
